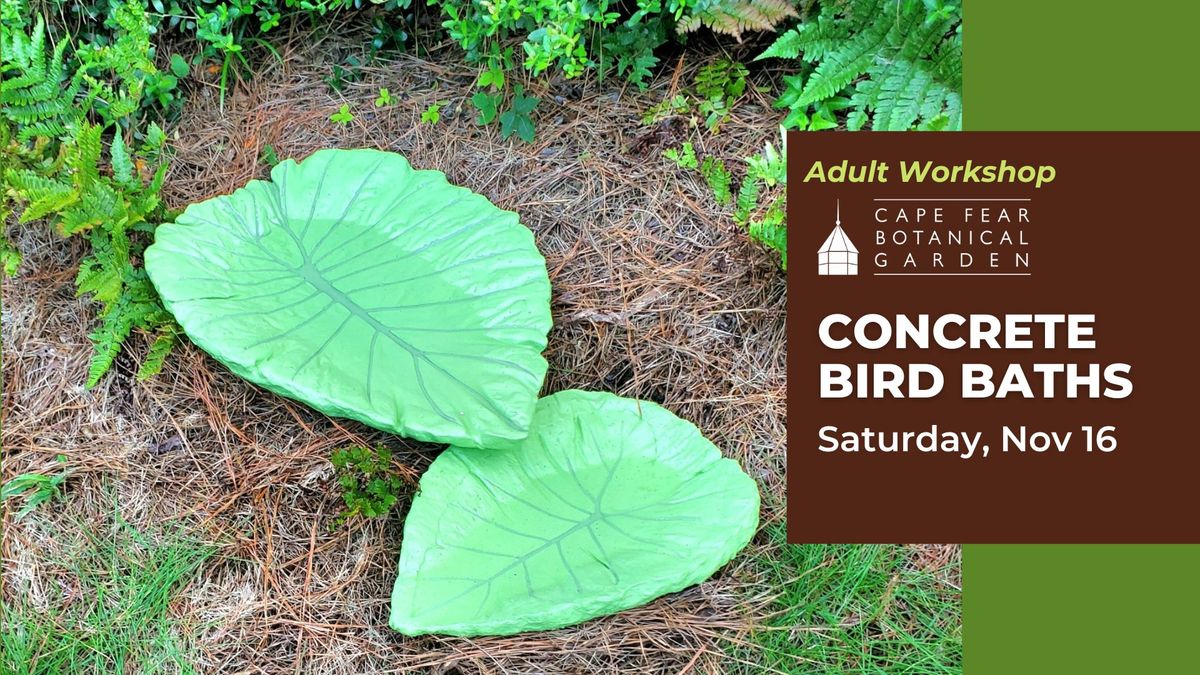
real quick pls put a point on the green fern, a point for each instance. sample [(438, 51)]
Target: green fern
[(734, 17), (164, 343), (771, 230), (747, 201), (10, 257), (718, 178), (53, 151), (899, 61), (36, 95)]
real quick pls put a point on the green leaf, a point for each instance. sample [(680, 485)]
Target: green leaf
[(433, 114), (368, 290), (122, 165), (608, 504), (514, 123), (385, 98), (522, 104), (516, 119), (493, 77), (179, 66), (486, 104), (343, 115)]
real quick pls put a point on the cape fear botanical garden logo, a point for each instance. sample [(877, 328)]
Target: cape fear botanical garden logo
[(930, 236), (838, 256)]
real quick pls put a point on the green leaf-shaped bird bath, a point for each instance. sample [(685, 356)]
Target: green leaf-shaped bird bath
[(607, 505), (368, 290)]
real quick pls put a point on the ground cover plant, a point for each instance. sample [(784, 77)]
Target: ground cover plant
[(369, 484), (658, 295), (110, 611), (846, 608)]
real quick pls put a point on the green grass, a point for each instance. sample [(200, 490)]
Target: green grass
[(849, 608), (109, 610)]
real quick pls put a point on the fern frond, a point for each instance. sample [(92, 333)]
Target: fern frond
[(102, 281), (910, 87), (842, 66), (771, 230), (107, 340), (86, 160), (903, 62), (164, 342), (31, 185), (734, 17), (10, 257), (37, 97), (122, 165), (718, 179), (747, 200)]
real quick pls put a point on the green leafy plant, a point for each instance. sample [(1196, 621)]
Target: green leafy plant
[(719, 179), (684, 158), (516, 119), (37, 488), (679, 104), (55, 169), (433, 114), (384, 98), (606, 36), (349, 70), (10, 257), (489, 101), (734, 17), (370, 484), (610, 503), (765, 220), (896, 64), (718, 86), (759, 203), (343, 116), (268, 155)]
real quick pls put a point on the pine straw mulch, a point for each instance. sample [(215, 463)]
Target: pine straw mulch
[(657, 295)]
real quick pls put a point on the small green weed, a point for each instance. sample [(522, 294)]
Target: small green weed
[(679, 104), (516, 119), (370, 484), (10, 257), (719, 180), (37, 488), (384, 98), (268, 155), (343, 116), (759, 205), (716, 88), (433, 114), (684, 158), (340, 74), (719, 85)]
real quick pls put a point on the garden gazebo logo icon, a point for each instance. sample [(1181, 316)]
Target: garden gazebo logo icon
[(838, 255)]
